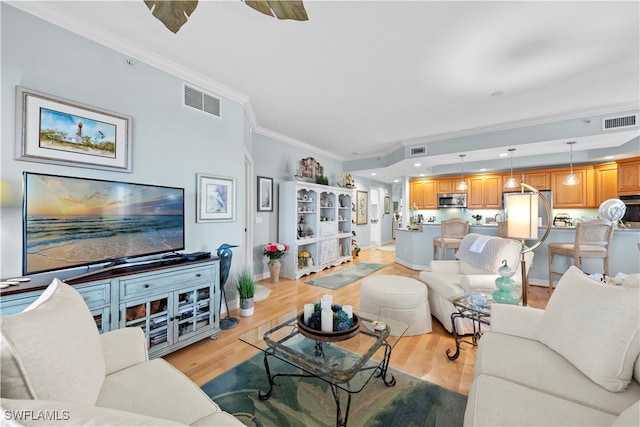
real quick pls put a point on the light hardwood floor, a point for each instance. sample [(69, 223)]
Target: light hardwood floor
[(422, 356)]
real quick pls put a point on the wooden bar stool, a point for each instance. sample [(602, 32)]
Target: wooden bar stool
[(452, 231), (592, 241)]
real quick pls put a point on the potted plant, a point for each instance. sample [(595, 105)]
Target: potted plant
[(246, 290)]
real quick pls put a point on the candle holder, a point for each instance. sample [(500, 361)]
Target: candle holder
[(332, 336)]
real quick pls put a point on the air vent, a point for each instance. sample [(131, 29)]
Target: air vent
[(195, 98), (620, 122), (417, 151)]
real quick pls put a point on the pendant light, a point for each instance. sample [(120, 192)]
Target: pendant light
[(511, 182), (462, 185), (571, 179)]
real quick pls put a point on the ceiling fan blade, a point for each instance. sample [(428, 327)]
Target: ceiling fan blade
[(281, 9), (173, 14)]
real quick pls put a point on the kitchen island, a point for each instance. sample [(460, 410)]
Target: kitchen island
[(414, 249)]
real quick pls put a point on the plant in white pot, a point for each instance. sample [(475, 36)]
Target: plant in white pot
[(246, 290)]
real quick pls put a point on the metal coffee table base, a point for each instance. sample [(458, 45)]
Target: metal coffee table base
[(341, 420)]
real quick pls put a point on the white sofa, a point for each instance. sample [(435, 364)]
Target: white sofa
[(574, 364), (56, 369), (472, 271)]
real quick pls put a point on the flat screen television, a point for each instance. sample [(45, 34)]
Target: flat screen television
[(72, 222)]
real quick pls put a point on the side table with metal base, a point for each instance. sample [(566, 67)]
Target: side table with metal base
[(478, 311)]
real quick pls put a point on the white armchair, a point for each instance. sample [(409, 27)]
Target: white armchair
[(479, 258)]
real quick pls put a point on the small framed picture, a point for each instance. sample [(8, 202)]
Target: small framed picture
[(265, 194), (387, 205), (362, 207), (216, 198), (62, 132)]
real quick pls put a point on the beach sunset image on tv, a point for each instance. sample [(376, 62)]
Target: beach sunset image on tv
[(76, 221)]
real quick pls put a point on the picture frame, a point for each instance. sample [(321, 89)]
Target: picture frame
[(216, 198), (265, 194), (387, 205), (362, 207), (54, 130)]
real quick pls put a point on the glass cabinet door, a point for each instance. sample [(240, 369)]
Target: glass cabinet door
[(153, 317), (195, 310)]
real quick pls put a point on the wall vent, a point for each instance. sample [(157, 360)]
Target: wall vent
[(620, 122), (417, 151), (195, 98)]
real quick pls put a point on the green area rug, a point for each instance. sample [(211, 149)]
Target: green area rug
[(346, 275), (307, 402)]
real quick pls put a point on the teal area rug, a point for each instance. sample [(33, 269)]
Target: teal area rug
[(346, 275), (308, 402), (389, 248)]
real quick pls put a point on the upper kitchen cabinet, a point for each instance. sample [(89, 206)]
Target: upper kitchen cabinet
[(423, 193), (485, 192), (606, 179), (540, 180), (573, 196), (629, 176)]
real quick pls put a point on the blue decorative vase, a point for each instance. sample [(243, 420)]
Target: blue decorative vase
[(504, 294)]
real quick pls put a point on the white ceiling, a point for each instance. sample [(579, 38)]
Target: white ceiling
[(361, 79)]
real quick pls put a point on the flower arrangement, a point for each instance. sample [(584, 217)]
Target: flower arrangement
[(274, 250)]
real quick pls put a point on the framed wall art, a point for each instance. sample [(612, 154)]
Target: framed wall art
[(58, 131), (216, 198), (387, 205), (362, 207), (265, 194)]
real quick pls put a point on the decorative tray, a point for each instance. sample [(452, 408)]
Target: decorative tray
[(329, 336)]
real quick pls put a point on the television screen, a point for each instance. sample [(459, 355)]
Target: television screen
[(71, 222)]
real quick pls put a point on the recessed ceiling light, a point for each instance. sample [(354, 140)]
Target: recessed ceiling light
[(373, 174), (483, 170), (503, 154), (396, 180), (421, 174), (609, 157), (417, 165)]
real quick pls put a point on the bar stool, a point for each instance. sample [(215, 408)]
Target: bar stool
[(452, 231), (592, 241)]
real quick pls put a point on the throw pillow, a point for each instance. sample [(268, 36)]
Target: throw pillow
[(594, 326), (52, 350)]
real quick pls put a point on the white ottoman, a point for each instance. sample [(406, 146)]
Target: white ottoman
[(396, 297)]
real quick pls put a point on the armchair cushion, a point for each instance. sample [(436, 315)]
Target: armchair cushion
[(604, 323), (113, 342), (490, 257), (52, 344)]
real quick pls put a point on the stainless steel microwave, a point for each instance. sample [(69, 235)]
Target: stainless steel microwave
[(456, 200)]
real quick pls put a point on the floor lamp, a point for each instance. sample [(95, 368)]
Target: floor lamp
[(522, 223)]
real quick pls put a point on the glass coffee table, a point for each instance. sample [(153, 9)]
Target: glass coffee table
[(347, 366), (475, 306)]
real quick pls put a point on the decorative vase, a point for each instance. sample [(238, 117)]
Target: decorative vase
[(246, 307), (274, 270), (505, 284)]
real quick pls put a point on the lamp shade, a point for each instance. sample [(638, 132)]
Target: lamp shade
[(522, 221)]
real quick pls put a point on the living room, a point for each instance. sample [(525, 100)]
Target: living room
[(170, 144)]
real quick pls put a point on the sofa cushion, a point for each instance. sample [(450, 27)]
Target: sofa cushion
[(156, 389), (533, 364), (52, 349), (603, 324), (496, 402)]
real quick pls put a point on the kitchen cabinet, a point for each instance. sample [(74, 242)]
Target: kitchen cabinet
[(629, 176), (446, 186), (423, 192), (606, 182), (485, 192), (540, 180), (572, 196)]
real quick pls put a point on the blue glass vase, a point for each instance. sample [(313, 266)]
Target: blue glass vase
[(504, 294)]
